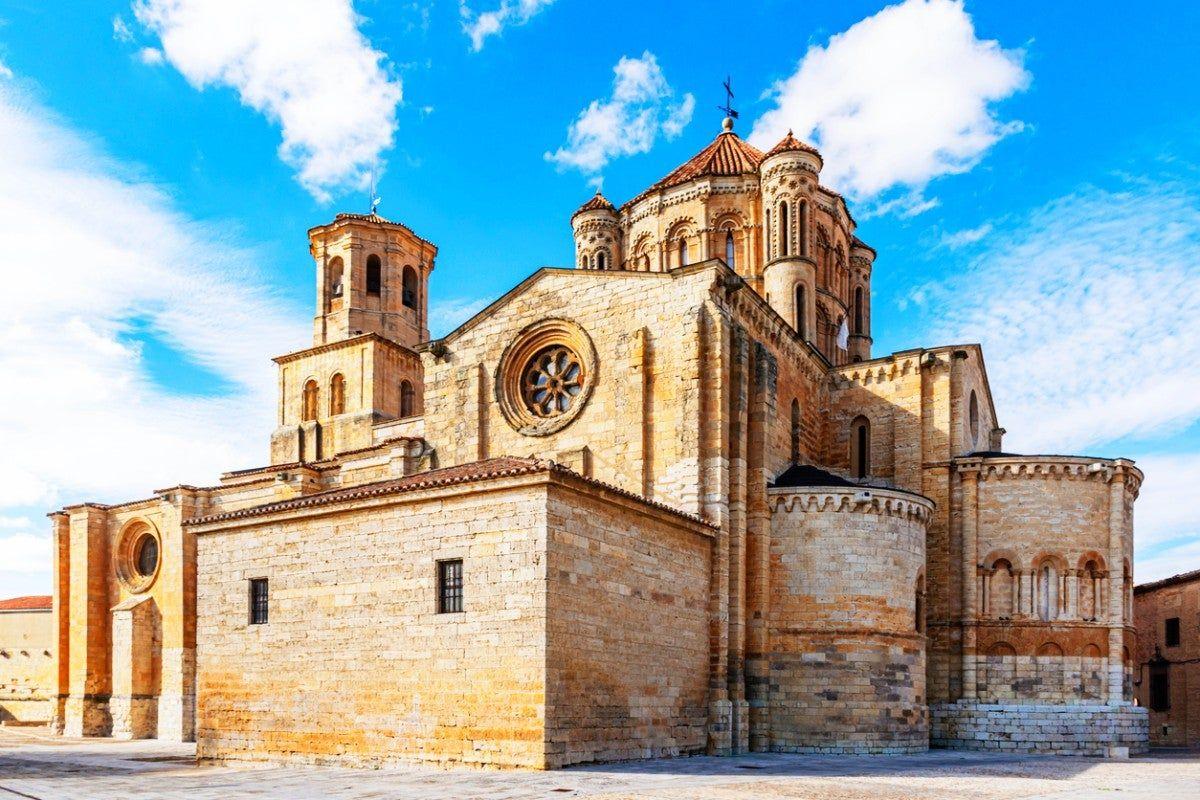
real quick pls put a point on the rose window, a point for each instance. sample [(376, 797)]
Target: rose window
[(552, 381)]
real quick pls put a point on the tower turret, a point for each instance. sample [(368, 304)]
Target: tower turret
[(597, 234), (862, 258), (789, 179), (372, 277)]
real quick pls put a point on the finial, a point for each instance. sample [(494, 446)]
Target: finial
[(727, 124)]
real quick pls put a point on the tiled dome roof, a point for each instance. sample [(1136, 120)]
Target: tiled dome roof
[(789, 144), (727, 155), (598, 203)]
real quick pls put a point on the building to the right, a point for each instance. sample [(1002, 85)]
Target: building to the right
[(1167, 615)]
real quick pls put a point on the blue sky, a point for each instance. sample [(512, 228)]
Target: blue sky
[(1029, 173)]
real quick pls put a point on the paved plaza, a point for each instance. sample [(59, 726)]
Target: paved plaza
[(34, 765)]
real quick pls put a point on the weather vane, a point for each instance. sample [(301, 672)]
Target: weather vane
[(728, 107)]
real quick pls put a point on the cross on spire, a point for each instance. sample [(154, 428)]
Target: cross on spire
[(730, 114)]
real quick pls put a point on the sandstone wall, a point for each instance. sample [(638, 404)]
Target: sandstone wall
[(627, 652), (640, 427), (27, 666), (847, 671), (1179, 724), (355, 663)]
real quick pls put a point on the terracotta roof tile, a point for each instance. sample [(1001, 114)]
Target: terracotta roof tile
[(598, 203), (727, 155), (37, 602), (790, 144), (1183, 577), (501, 467)]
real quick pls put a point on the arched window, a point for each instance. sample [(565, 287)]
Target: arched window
[(858, 310), (1000, 590), (785, 233), (374, 274), (802, 222), (337, 395), (407, 399), (1089, 590), (860, 447), (801, 308), (335, 277), (583, 262), (919, 604), (730, 256), (683, 252), (600, 260), (1047, 589), (409, 294), (795, 431), (309, 408), (973, 416)]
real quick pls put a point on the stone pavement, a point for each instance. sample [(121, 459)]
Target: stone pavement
[(35, 765)]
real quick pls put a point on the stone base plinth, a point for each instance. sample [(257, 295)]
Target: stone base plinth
[(86, 715), (1085, 730)]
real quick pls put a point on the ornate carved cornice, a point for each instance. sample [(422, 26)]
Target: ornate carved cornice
[(1052, 467), (850, 500)]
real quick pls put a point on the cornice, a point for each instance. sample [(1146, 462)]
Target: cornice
[(1105, 470), (351, 342), (850, 500)]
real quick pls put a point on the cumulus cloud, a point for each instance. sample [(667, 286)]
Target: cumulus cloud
[(898, 99), (303, 64), (641, 106), (81, 415), (150, 56), (480, 25)]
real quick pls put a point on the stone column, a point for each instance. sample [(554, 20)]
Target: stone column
[(758, 548), (1115, 690), (737, 427), (89, 672), (1072, 577), (62, 616), (970, 559)]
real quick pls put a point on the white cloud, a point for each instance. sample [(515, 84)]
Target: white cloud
[(446, 315), (14, 522), (960, 239), (303, 64), (898, 99), (80, 416), (26, 553), (5, 72), (150, 56), (1164, 514), (479, 26), (121, 31), (641, 106), (1089, 316)]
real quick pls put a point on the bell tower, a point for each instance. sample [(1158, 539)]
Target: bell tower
[(372, 277)]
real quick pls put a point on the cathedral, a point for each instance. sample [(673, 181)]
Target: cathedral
[(663, 502)]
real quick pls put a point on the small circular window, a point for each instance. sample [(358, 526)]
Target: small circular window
[(546, 376), (136, 558), (554, 377)]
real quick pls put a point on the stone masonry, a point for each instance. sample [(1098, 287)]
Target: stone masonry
[(663, 502)]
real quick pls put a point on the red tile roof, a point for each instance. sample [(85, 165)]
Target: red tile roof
[(501, 467), (36, 602), (1174, 580), (789, 144), (598, 203), (727, 155)]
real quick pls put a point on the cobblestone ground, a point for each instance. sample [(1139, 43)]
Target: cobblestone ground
[(34, 765)]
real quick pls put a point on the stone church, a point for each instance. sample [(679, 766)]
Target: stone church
[(664, 502)]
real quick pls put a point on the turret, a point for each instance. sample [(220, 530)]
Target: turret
[(788, 175), (597, 234), (372, 277), (862, 258)]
